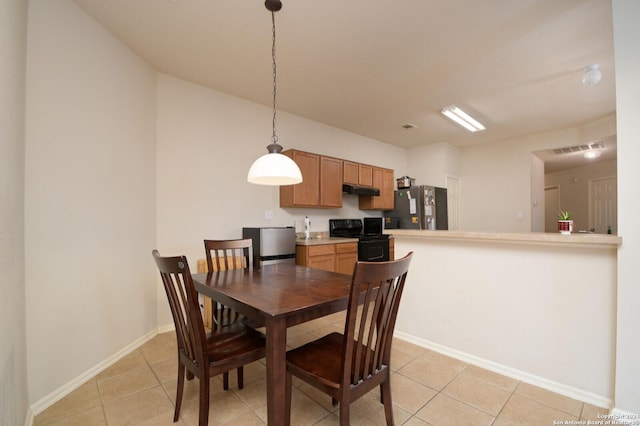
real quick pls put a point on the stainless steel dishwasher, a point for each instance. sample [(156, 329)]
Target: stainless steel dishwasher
[(272, 245)]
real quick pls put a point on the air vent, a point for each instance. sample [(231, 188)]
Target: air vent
[(409, 126), (578, 148)]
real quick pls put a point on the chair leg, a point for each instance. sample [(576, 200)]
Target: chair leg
[(344, 414), (204, 400), (334, 402), (287, 400), (179, 390), (225, 380), (385, 395), (240, 377)]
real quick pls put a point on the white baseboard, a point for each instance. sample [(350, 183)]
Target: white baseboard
[(44, 403), (166, 328), (579, 394)]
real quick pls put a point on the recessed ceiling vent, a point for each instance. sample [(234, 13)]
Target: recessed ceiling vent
[(578, 148), (409, 126)]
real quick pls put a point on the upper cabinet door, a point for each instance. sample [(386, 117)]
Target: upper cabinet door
[(330, 182), (383, 180), (365, 175), (350, 172), (306, 193)]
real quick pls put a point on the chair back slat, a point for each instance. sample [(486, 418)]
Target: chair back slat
[(224, 255), (183, 301), (371, 315)]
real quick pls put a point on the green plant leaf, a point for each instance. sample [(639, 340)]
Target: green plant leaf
[(564, 215)]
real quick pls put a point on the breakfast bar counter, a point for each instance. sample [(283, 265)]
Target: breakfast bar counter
[(583, 240), (539, 307)]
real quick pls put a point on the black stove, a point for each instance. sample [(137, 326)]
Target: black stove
[(373, 245), (372, 229)]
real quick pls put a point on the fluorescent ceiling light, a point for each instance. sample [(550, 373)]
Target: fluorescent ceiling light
[(462, 118)]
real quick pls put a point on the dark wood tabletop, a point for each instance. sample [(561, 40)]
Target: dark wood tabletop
[(280, 295)]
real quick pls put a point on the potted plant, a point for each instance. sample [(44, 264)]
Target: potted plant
[(565, 221)]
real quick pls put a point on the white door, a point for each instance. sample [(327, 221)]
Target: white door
[(551, 207), (453, 201), (603, 205)]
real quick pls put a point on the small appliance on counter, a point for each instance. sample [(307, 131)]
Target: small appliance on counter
[(272, 245), (418, 207), (405, 182), (373, 245)]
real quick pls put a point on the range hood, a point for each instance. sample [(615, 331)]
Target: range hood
[(359, 190)]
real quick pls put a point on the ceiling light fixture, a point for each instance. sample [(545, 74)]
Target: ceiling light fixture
[(274, 168), (592, 154), (592, 75), (462, 118)]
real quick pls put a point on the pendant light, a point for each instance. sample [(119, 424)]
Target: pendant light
[(274, 168)]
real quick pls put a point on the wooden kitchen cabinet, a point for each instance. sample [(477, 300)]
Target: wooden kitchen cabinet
[(307, 192), (330, 182), (357, 173), (320, 256), (322, 179), (383, 180), (321, 184), (350, 172), (365, 175), (346, 257), (334, 257)]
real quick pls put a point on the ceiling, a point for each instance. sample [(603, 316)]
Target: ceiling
[(372, 66)]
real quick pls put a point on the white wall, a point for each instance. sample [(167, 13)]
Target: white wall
[(430, 164), (541, 313), (90, 196), (626, 35), (13, 367), (207, 141), (574, 188), (496, 190)]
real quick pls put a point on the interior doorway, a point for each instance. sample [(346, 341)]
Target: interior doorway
[(551, 206), (603, 205)]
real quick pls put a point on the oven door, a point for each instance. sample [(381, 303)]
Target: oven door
[(373, 250)]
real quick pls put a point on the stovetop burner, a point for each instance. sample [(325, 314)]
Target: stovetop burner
[(345, 228)]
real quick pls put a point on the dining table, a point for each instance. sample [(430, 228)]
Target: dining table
[(279, 296)]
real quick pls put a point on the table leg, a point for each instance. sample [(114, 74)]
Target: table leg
[(276, 330)]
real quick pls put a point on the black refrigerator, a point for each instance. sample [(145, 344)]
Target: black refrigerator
[(418, 207)]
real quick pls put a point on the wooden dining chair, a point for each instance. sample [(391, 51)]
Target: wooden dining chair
[(201, 354), (224, 255), (347, 366)]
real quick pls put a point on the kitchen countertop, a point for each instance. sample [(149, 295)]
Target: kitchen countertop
[(540, 238), (324, 240)]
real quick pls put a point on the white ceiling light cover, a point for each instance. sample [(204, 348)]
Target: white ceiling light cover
[(462, 118)]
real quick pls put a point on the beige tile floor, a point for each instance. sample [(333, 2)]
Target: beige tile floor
[(428, 389)]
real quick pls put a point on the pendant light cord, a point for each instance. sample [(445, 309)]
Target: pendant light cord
[(274, 138)]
